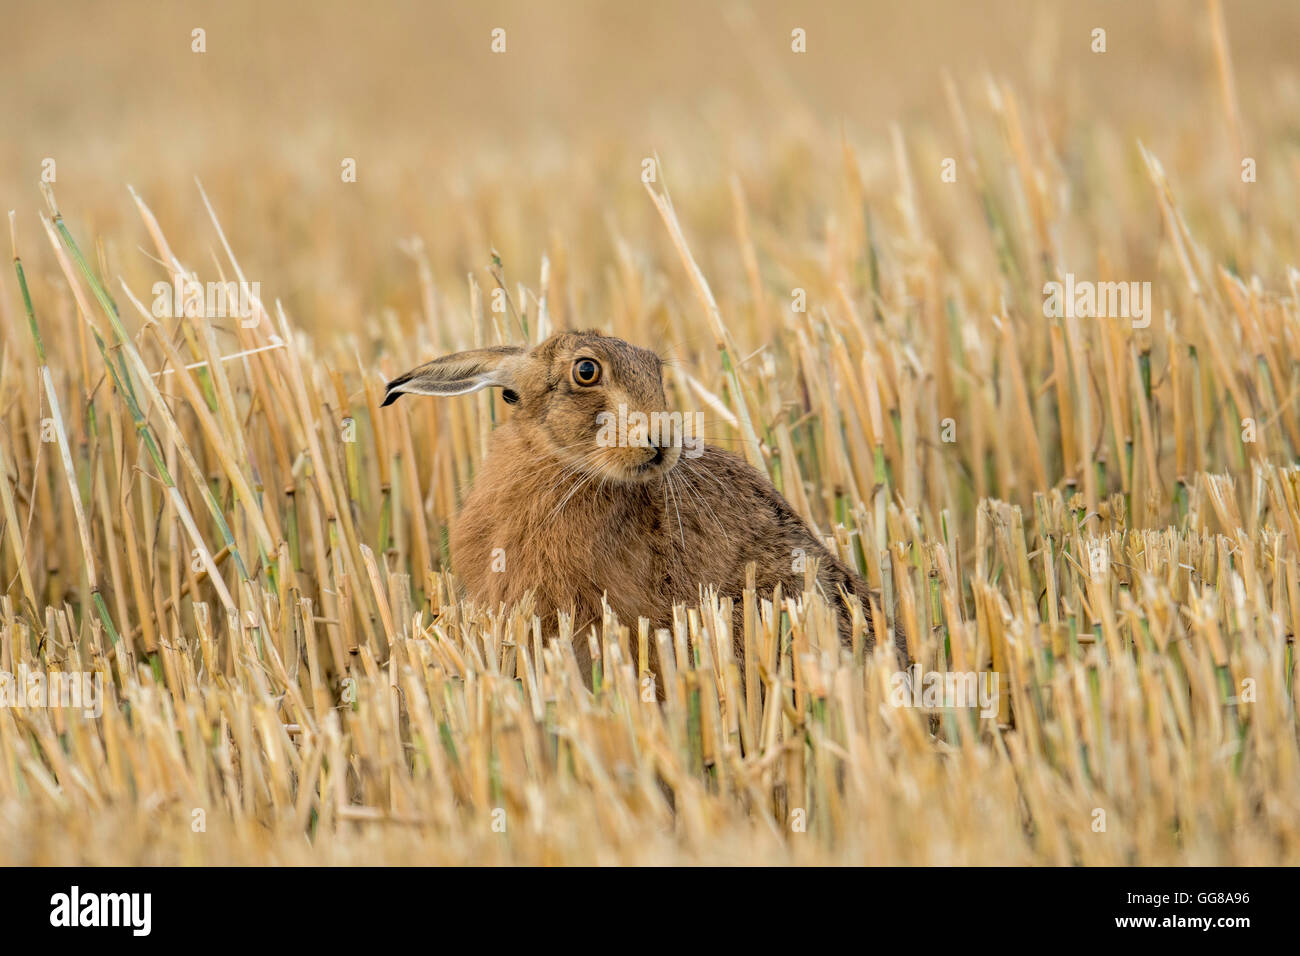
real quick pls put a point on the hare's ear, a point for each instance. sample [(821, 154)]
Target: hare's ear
[(460, 373)]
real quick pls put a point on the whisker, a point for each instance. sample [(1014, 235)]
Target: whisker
[(586, 478), (704, 504), (680, 530)]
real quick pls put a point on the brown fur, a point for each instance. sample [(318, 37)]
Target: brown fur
[(578, 522)]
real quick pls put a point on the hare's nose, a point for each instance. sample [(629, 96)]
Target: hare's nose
[(658, 457)]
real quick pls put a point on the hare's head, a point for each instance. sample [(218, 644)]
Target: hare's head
[(589, 400)]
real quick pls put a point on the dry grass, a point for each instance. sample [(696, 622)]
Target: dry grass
[(218, 518)]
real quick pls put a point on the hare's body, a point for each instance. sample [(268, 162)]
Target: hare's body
[(641, 547), (563, 516)]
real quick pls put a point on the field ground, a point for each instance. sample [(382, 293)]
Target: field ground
[(213, 515)]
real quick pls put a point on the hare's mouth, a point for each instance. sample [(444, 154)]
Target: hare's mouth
[(662, 460), (636, 465)]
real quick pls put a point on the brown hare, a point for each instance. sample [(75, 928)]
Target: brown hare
[(574, 505)]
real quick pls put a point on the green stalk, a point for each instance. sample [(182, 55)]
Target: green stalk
[(123, 383), (64, 451)]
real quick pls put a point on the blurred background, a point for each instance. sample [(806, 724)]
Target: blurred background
[(539, 149)]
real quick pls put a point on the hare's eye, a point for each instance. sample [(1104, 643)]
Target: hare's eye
[(586, 371)]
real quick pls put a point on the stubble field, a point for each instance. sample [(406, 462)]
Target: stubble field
[(846, 256)]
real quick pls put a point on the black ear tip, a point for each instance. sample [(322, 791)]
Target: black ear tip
[(394, 392)]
